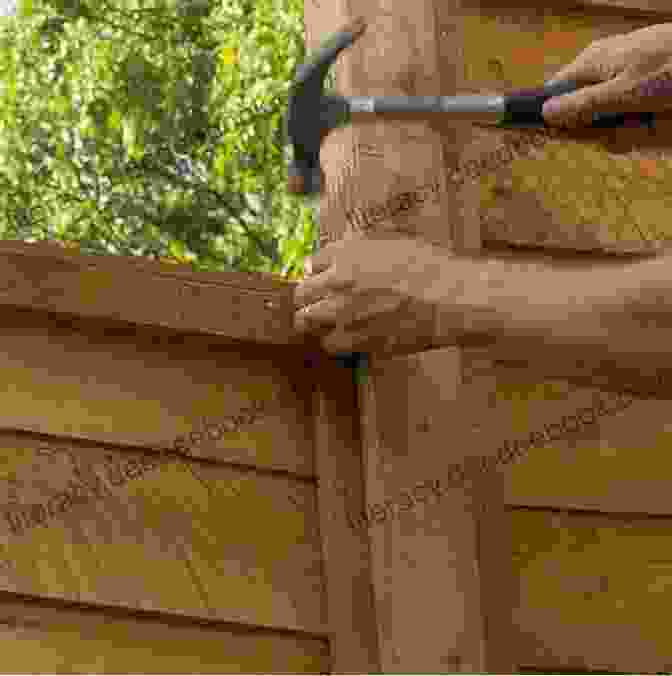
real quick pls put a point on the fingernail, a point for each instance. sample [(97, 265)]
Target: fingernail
[(552, 108)]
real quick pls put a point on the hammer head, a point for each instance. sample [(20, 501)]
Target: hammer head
[(312, 115)]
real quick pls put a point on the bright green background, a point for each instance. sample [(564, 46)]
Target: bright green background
[(101, 100)]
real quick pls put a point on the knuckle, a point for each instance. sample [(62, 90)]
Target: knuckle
[(595, 45)]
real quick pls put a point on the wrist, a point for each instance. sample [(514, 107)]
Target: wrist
[(511, 297)]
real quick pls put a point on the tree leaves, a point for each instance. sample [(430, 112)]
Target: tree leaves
[(164, 129), (228, 56)]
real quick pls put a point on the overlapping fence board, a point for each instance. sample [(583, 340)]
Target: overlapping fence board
[(158, 455), (43, 638), (82, 522), (563, 449), (569, 447), (595, 591), (127, 388)]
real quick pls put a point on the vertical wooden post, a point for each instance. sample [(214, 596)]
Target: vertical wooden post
[(441, 559), (440, 549), (347, 558)]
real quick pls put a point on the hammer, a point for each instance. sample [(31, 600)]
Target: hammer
[(312, 115)]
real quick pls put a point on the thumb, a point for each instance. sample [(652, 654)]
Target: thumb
[(579, 107)]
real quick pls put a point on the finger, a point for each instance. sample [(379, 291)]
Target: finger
[(308, 266), (305, 325), (378, 306), (315, 265), (589, 67), (313, 319), (347, 309), (320, 261), (313, 289), (343, 341), (375, 329), (618, 95), (380, 336), (325, 312)]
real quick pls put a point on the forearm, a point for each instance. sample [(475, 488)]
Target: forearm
[(616, 318)]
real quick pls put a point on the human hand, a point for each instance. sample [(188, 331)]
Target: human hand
[(630, 73), (356, 289)]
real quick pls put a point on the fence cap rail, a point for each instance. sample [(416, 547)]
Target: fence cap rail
[(47, 277)]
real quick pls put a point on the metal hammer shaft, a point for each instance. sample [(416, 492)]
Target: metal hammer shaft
[(516, 109), (312, 114)]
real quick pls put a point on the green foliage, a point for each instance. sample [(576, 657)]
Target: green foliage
[(153, 128)]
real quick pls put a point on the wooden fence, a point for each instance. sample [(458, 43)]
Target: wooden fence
[(188, 486)]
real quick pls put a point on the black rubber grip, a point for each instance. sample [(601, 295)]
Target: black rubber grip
[(523, 108)]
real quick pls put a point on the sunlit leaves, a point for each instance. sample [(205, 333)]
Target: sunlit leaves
[(25, 8), (228, 56), (114, 120), (174, 112)]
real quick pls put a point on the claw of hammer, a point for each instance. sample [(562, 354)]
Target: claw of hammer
[(312, 115)]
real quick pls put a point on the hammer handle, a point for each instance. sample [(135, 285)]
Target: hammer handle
[(521, 108)]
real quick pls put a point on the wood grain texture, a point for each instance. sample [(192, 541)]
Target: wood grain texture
[(96, 524), (594, 591), (445, 558), (581, 447), (233, 305), (390, 176), (562, 445), (347, 558), (166, 394), (586, 189), (613, 460), (40, 637)]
